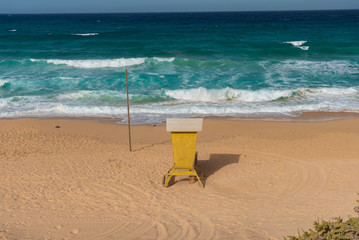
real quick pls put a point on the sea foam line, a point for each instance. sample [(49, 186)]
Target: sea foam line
[(154, 113), (211, 96), (108, 103)]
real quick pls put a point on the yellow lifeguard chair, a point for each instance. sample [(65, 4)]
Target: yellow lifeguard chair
[(184, 135)]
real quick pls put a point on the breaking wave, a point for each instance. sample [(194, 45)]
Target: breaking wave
[(299, 44), (103, 63), (3, 82), (96, 63), (156, 107), (249, 96)]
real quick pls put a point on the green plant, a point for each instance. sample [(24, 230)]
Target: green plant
[(332, 230)]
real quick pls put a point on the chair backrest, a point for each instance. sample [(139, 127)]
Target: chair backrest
[(184, 124), (184, 135)]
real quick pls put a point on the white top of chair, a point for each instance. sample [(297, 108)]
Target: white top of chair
[(184, 124)]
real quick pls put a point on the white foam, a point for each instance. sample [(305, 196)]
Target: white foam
[(186, 103), (299, 44), (90, 95), (64, 110), (2, 82), (305, 48), (96, 63), (103, 63), (155, 112), (154, 74), (227, 94), (292, 72), (12, 30), (84, 34), (36, 106), (332, 91), (66, 78), (3, 104), (164, 59)]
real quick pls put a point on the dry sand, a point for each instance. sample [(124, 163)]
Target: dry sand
[(264, 180)]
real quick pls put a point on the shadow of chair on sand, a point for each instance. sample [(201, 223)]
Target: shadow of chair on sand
[(210, 166), (216, 162)]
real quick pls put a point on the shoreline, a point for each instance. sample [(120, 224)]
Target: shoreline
[(303, 117)]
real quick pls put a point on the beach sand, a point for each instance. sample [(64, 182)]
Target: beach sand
[(265, 180)]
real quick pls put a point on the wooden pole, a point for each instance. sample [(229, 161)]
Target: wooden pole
[(128, 115)]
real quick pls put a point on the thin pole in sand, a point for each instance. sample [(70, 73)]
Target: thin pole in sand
[(128, 115)]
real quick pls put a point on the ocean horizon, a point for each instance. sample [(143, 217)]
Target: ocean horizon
[(205, 64), (180, 12)]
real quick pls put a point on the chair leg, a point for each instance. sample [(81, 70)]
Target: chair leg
[(169, 177), (172, 180), (200, 180), (191, 180), (166, 180)]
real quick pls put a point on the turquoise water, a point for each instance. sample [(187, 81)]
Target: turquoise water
[(241, 64)]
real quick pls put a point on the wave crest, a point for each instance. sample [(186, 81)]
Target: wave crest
[(164, 59), (103, 63), (84, 34), (299, 44), (96, 63)]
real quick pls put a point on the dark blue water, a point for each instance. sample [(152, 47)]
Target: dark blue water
[(179, 64)]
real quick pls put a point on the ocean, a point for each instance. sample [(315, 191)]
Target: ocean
[(230, 64)]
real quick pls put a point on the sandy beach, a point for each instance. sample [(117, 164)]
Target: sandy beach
[(265, 180)]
